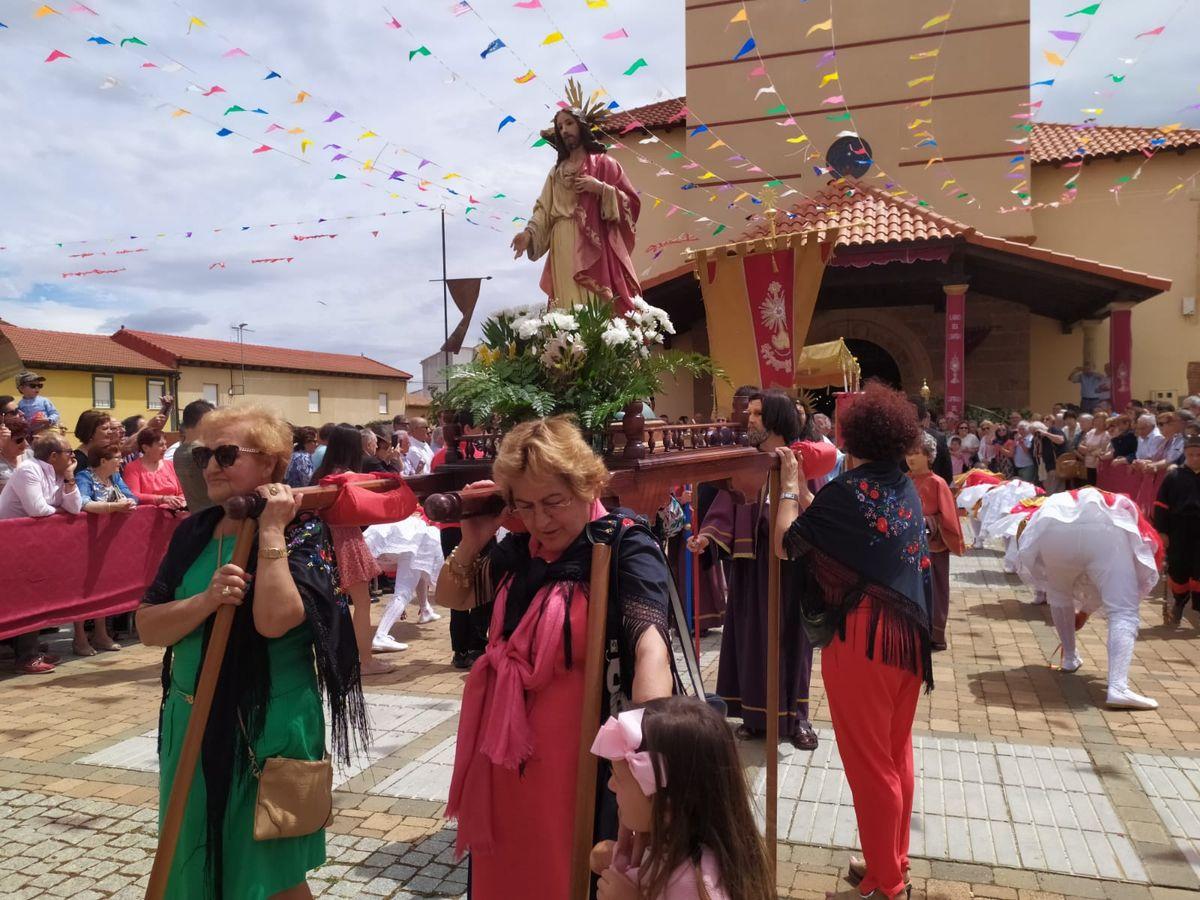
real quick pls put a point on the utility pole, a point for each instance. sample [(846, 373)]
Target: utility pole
[(241, 328)]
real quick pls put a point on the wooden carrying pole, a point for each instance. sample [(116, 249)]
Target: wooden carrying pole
[(246, 510), (772, 739), (589, 723)]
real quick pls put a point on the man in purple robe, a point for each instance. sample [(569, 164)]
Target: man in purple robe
[(738, 523)]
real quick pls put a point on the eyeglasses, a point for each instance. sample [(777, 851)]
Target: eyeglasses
[(225, 455), (19, 440), (550, 507)]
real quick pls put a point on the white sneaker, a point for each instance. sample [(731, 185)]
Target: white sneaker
[(1127, 699), (427, 615), (387, 644), (1071, 665)]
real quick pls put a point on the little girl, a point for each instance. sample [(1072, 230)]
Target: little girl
[(687, 830)]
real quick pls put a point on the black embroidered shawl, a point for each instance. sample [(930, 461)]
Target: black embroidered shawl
[(863, 540)]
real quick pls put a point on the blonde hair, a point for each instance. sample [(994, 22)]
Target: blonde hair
[(550, 447), (262, 429)]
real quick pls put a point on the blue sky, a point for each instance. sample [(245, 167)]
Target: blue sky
[(96, 149)]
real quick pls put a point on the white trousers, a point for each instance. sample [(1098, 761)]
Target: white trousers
[(1069, 551)]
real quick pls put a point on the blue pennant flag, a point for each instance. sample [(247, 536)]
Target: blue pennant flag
[(492, 48)]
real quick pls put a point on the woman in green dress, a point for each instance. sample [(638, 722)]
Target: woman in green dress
[(291, 641)]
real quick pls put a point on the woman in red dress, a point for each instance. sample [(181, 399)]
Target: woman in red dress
[(513, 790)]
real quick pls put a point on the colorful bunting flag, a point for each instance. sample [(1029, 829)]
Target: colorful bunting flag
[(133, 40), (1153, 31), (1086, 11), (552, 38), (924, 79), (616, 35), (492, 48), (271, 74), (304, 145), (301, 97), (198, 23), (528, 4), (420, 51), (527, 77), (637, 64), (746, 48), (395, 23), (99, 41), (835, 99), (832, 76), (263, 148), (576, 69), (507, 120), (334, 116), (1117, 79), (179, 113), (461, 8), (337, 177), (234, 108), (925, 54), (827, 25), (739, 16), (234, 52), (57, 54), (597, 4), (777, 110), (798, 140), (540, 142), (43, 11), (367, 134), (1070, 36), (844, 117), (224, 132), (1053, 58), (936, 20)]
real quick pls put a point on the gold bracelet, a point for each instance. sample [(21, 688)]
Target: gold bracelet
[(462, 575)]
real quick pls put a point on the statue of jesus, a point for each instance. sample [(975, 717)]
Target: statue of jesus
[(584, 221)]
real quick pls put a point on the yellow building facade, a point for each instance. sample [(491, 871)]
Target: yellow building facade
[(128, 372)]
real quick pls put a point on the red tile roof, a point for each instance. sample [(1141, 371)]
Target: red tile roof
[(37, 347), (867, 216), (663, 114), (1049, 142), (173, 349)]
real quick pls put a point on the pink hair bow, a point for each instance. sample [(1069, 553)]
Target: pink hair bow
[(619, 738)]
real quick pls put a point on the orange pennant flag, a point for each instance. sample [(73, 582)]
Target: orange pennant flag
[(1053, 58), (526, 78)]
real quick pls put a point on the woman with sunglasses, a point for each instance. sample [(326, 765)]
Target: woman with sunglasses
[(513, 787), (14, 445), (356, 565), (291, 642)]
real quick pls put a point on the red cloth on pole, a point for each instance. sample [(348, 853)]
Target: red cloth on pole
[(769, 284), (1120, 357), (955, 373), (69, 568), (1141, 488)]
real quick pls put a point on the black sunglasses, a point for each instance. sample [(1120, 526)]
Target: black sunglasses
[(225, 455), (20, 440)]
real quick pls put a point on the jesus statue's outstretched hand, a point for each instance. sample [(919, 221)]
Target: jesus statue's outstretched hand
[(520, 243)]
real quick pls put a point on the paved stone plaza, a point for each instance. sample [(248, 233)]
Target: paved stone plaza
[(1027, 787)]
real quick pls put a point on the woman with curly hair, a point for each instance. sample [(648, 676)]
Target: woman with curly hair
[(860, 544)]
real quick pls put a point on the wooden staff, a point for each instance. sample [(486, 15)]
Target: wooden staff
[(772, 738), (245, 510), (589, 723)]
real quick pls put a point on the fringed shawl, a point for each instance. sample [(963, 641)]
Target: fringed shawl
[(863, 540)]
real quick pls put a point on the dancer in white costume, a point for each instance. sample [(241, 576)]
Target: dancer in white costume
[(1089, 550), (414, 547), (996, 506)]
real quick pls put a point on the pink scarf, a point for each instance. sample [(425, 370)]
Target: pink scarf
[(494, 721)]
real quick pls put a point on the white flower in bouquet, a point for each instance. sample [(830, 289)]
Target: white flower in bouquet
[(617, 333), (527, 327), (560, 322)]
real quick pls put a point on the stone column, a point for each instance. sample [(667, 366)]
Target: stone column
[(1120, 353), (955, 369), (1089, 341)]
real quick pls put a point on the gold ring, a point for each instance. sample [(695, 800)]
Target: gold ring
[(273, 489), (226, 591)]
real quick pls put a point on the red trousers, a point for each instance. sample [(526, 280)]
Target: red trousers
[(873, 706)]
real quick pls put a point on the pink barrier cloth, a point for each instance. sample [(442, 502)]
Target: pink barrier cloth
[(69, 568), (1141, 488)]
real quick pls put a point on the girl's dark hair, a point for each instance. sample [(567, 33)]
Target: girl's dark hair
[(779, 415), (89, 423), (130, 424), (326, 430), (881, 425), (702, 801), (343, 453)]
